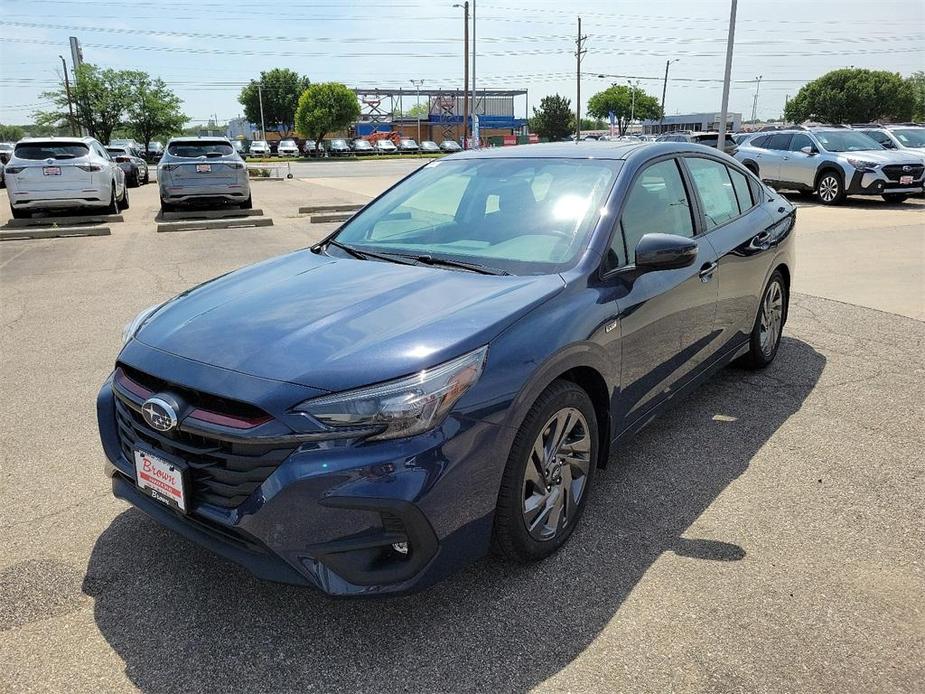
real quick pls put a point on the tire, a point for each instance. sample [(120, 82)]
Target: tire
[(248, 204), (124, 205), (113, 207), (754, 169), (895, 197), (131, 181), (20, 214), (830, 188), (765, 337), (523, 499), (166, 206)]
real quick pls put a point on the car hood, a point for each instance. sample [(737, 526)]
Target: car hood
[(335, 323), (884, 156)]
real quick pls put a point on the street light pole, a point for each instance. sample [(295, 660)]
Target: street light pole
[(67, 90), (723, 113), (417, 85), (755, 102), (633, 88), (475, 109), (465, 121)]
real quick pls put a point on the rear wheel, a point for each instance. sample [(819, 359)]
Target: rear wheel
[(132, 181), (895, 197), (166, 206), (830, 188), (248, 204), (20, 214), (548, 474), (124, 204), (113, 202), (769, 324)]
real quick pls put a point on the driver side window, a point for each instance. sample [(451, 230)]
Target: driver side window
[(656, 204)]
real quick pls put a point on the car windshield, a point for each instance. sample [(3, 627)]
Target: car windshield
[(361, 144), (409, 143), (201, 148), (287, 143), (913, 137), (259, 144), (846, 141), (51, 150), (338, 143), (523, 216)]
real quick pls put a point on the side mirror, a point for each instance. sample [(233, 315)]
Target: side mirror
[(665, 252), (808, 150)]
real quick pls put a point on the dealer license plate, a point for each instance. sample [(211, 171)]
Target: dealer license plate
[(203, 168), (56, 171), (160, 479), (905, 180)]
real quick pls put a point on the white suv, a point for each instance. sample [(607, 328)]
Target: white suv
[(288, 148), (260, 148), (47, 173)]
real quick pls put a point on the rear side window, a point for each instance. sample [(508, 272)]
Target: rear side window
[(781, 141), (657, 204), (192, 150), (760, 142), (742, 191), (711, 179), (51, 150)]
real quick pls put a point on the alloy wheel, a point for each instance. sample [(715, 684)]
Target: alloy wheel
[(556, 474), (828, 188), (772, 318)]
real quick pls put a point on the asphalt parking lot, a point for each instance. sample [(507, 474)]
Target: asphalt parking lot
[(768, 534)]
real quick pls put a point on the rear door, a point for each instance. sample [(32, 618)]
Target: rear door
[(772, 156), (739, 230)]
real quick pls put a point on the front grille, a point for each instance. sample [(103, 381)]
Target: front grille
[(895, 171), (221, 473)]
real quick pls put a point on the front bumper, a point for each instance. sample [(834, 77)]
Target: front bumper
[(331, 512), (877, 183)]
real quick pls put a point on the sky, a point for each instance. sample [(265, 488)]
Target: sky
[(207, 50)]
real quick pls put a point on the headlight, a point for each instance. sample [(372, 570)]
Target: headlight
[(128, 332), (861, 165), (400, 408)]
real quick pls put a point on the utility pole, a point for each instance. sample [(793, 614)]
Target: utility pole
[(723, 113), (465, 121), (417, 85), (263, 125), (579, 54), (633, 88), (755, 101), (67, 90), (665, 89)]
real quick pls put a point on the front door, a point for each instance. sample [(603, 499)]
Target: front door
[(666, 316)]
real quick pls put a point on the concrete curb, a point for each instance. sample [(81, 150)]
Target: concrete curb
[(334, 217), (345, 207), (51, 233), (69, 221), (231, 223), (209, 214)]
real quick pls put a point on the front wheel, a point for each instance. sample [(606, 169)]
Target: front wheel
[(548, 474), (895, 197), (830, 188), (769, 324), (124, 204)]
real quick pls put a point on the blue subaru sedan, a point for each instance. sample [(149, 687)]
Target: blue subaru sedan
[(447, 371)]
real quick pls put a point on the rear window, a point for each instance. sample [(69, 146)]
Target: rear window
[(711, 140), (116, 150), (191, 150), (51, 150)]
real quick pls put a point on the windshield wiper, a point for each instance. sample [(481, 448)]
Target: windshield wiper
[(366, 255), (447, 262)]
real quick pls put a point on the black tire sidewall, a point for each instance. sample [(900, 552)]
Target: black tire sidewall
[(511, 534)]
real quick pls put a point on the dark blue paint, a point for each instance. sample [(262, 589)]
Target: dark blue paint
[(291, 328)]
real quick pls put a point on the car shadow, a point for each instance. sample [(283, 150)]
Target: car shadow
[(858, 202), (184, 620)]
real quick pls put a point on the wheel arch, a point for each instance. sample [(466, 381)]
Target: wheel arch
[(826, 167)]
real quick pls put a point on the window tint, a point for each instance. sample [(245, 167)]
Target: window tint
[(780, 141), (657, 204), (799, 142), (880, 137), (50, 150), (201, 148), (711, 179), (743, 193), (760, 141)]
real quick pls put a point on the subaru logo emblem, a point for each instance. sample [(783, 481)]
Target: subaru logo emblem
[(159, 414), (907, 168)]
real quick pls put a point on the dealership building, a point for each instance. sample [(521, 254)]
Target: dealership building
[(692, 121)]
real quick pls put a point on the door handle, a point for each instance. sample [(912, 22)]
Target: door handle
[(706, 272)]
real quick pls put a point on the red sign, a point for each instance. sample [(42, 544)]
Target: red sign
[(509, 140)]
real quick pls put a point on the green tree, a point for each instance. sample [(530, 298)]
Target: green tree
[(853, 95), (325, 107), (554, 119), (623, 101), (100, 98), (11, 133), (416, 111), (154, 110), (281, 89), (917, 81)]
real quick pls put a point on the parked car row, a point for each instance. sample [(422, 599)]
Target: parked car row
[(337, 147), (132, 163)]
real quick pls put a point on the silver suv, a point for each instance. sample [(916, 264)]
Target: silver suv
[(903, 136), (833, 163)]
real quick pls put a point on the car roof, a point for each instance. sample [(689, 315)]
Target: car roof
[(586, 149)]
